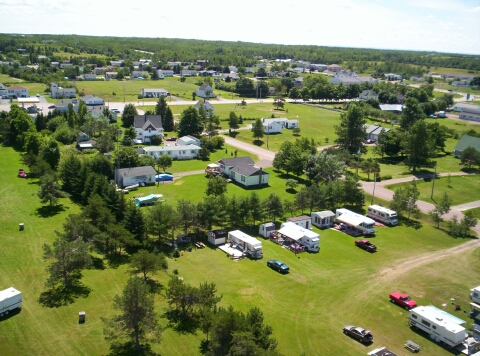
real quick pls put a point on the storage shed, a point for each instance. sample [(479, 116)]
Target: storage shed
[(265, 229), (217, 237), (323, 218)]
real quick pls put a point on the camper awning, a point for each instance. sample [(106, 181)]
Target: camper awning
[(350, 220), (291, 232)]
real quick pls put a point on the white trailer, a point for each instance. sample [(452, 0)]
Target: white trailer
[(304, 237), (246, 243), (440, 325), (357, 221), (379, 213), (475, 295), (10, 299)]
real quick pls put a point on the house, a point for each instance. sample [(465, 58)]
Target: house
[(99, 70), (319, 67), (298, 82), (459, 107), (395, 108), (233, 69), (417, 79), (275, 125), (62, 106), (470, 114), (209, 73), (349, 80), (94, 104), (125, 177), (154, 92), (233, 76), (111, 75), (242, 171), (302, 221), (334, 68), (465, 142), (17, 91), (116, 63), (207, 106), (90, 76), (189, 140), (188, 73), (203, 63), (57, 92), (299, 70), (165, 73), (64, 65), (21, 50), (373, 131), (249, 69), (323, 218), (180, 152), (138, 73), (461, 83), (84, 142), (205, 91), (368, 94), (146, 126), (296, 234), (393, 76), (3, 91)]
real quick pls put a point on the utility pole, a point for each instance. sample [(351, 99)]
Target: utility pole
[(433, 180)]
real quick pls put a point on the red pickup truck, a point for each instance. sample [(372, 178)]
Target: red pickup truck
[(403, 300)]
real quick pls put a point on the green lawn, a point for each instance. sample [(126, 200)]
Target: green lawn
[(462, 189), (475, 212), (341, 285)]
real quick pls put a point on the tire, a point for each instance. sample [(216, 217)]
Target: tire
[(6, 313), (392, 300), (345, 332), (406, 308)]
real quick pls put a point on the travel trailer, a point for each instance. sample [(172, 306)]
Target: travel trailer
[(300, 235), (246, 243), (10, 299), (356, 221), (379, 213)]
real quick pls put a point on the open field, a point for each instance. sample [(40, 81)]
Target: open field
[(340, 285), (462, 189)]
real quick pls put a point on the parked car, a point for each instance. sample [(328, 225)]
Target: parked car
[(21, 173), (163, 177), (140, 78), (366, 245), (432, 116), (115, 110), (38, 95), (278, 266), (51, 107), (358, 333), (370, 140), (171, 139), (403, 300)]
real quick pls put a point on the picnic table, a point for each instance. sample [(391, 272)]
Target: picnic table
[(412, 346)]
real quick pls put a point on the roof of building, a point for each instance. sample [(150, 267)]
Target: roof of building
[(299, 218), (205, 86), (243, 166), (136, 171), (143, 121), (189, 138), (324, 213), (153, 90), (381, 352), (170, 148), (232, 162), (296, 232), (16, 87), (391, 107), (468, 141)]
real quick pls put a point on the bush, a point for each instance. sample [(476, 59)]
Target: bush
[(155, 140), (140, 96), (386, 176), (218, 141)]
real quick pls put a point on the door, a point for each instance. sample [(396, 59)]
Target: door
[(306, 224)]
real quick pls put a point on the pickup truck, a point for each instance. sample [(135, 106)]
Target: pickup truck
[(403, 300)]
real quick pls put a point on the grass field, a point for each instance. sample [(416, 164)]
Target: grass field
[(307, 308), (462, 189)]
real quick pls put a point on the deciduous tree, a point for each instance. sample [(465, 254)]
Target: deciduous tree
[(351, 131), (190, 123), (145, 262)]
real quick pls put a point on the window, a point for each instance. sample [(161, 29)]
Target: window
[(243, 178), (424, 322), (434, 327), (414, 316)]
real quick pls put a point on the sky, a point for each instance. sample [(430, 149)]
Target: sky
[(427, 25)]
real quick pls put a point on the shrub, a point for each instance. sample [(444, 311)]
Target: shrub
[(155, 140), (386, 176)]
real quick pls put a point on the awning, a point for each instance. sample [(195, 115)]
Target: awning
[(350, 220)]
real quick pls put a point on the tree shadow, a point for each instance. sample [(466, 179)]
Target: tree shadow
[(155, 286), (115, 260), (128, 349), (233, 134), (204, 347), (61, 296), (291, 191), (97, 263), (49, 211), (411, 223), (258, 142), (179, 324)]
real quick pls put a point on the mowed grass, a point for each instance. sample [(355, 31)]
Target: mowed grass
[(461, 189), (307, 308)]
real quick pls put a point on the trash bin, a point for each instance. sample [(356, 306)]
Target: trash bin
[(21, 226), (81, 317)]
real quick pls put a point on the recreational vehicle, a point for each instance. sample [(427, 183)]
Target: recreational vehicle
[(356, 221), (475, 296), (10, 299), (300, 235), (246, 243), (379, 213), (440, 325)]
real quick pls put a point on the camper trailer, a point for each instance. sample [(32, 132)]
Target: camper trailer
[(304, 237), (384, 215), (441, 326), (217, 237), (475, 296), (355, 221), (246, 243), (10, 299), (323, 218), (266, 229)]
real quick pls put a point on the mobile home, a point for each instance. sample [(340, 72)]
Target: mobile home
[(300, 235), (217, 237), (246, 243), (357, 221), (10, 299), (441, 326), (323, 218), (379, 213)]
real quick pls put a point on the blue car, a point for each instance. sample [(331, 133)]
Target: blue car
[(163, 177)]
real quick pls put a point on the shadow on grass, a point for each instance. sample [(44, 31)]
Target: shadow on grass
[(258, 142), (128, 349), (10, 314), (291, 191), (204, 347), (155, 286), (115, 260), (97, 263), (427, 339), (49, 211), (411, 223), (181, 325), (233, 134), (61, 296)]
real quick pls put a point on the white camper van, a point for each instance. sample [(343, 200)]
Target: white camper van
[(245, 243), (379, 213), (440, 325), (10, 299)]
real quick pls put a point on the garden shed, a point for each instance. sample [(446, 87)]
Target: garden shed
[(323, 218)]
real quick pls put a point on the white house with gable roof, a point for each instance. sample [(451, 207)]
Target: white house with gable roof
[(146, 126)]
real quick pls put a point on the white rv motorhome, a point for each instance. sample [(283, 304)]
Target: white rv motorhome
[(10, 299), (304, 237), (246, 243), (440, 325), (379, 213), (475, 296), (357, 221)]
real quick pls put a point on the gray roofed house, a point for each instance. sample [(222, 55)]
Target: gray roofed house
[(465, 142), (146, 126), (206, 105), (205, 91), (135, 175), (373, 131), (84, 142), (242, 171)]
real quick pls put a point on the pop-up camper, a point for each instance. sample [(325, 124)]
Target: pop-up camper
[(246, 243)]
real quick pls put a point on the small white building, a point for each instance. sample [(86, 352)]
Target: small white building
[(189, 140), (373, 131), (368, 94), (217, 237), (176, 152), (164, 73), (129, 176), (309, 239), (111, 75), (249, 245), (89, 76), (304, 221), (266, 229), (242, 171), (323, 218), (459, 107), (276, 125), (417, 79), (354, 220), (188, 73), (154, 92)]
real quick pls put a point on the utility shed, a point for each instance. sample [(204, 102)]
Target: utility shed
[(323, 218), (217, 237), (265, 229)]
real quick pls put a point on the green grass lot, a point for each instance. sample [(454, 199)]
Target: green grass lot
[(475, 212), (5, 79), (462, 189), (307, 308), (446, 86)]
